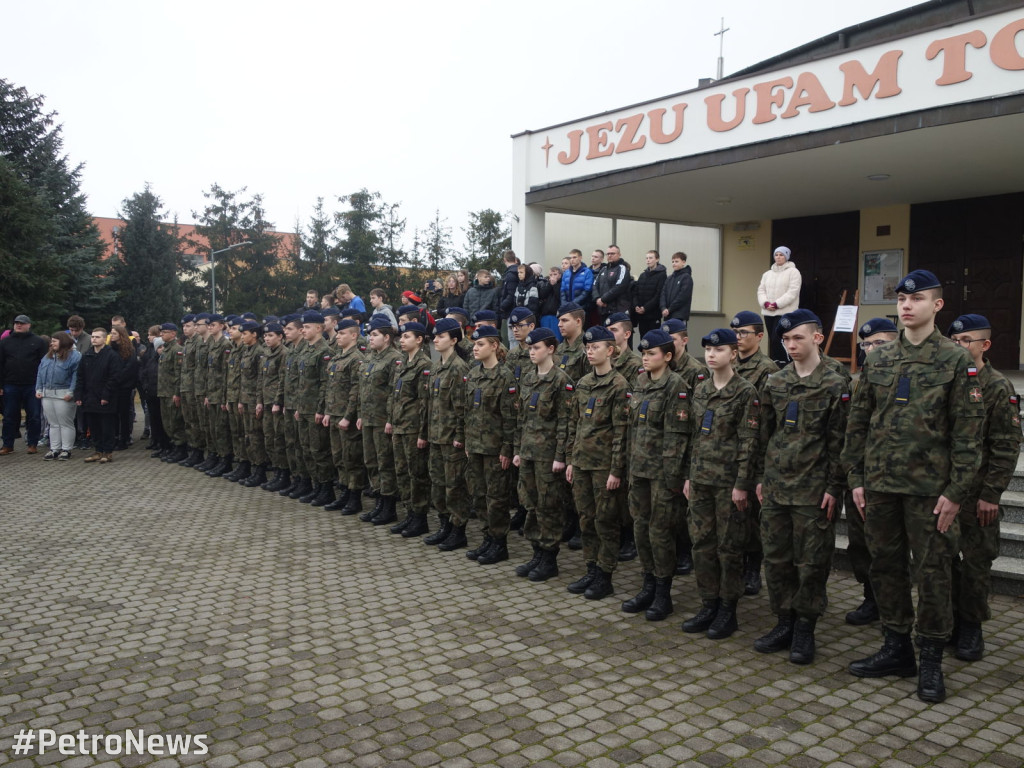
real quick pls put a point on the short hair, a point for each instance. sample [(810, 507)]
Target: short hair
[(679, 255), (613, 245), (342, 288), (98, 330), (379, 293), (579, 314), (154, 330), (117, 318), (627, 325), (76, 322), (576, 252), (314, 291), (330, 298), (297, 323), (510, 257), (654, 253), (482, 273), (598, 250)]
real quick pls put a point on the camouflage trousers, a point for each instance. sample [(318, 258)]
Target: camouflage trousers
[(488, 485), (681, 513), (448, 494), (315, 444), (255, 440), (193, 429), (174, 424), (294, 453), (598, 508), (273, 438), (972, 575), (220, 430), (203, 425), (544, 516), (379, 456), (753, 514), (412, 473), (236, 422), (654, 525), (798, 546), (857, 543), (347, 454), (902, 536), (720, 533)]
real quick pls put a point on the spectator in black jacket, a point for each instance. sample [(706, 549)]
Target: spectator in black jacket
[(612, 286), (647, 295), (550, 300), (94, 394), (149, 367), (20, 354), (678, 291), (509, 283), (125, 381)]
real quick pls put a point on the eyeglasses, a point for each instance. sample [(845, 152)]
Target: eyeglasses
[(964, 341), (744, 334), (869, 345), (520, 325)]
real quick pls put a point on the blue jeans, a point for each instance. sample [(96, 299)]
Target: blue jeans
[(17, 398)]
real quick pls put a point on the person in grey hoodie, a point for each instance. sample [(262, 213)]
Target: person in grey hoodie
[(377, 299), (482, 294)]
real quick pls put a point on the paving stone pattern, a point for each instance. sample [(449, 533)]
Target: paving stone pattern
[(145, 595)]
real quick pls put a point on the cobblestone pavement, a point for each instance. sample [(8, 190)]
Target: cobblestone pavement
[(147, 596)]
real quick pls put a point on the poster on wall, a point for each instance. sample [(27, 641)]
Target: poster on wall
[(882, 273)]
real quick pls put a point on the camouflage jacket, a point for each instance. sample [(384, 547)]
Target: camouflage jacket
[(756, 369), (313, 360), (410, 390), (217, 353), (376, 378), (693, 372), (834, 365), (251, 369), (271, 375), (542, 428), (1000, 442), (598, 420), (169, 370), (723, 434), (289, 392), (233, 385), (447, 410), (490, 410), (803, 425), (915, 422), (659, 428), (518, 361), (342, 380), (199, 374), (188, 365), (629, 365), (572, 358)]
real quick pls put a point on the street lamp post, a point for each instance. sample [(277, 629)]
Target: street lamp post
[(213, 272)]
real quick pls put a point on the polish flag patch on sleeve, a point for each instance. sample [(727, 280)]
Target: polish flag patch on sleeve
[(1014, 399), (845, 397), (972, 370), (511, 390), (568, 388), (682, 395), (426, 373)]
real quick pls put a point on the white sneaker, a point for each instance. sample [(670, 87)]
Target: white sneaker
[(50, 455), (63, 455)]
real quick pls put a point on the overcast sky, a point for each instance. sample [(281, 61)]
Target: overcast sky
[(416, 100)]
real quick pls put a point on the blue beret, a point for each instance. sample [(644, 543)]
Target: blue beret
[(408, 309), (271, 319), (796, 317), (746, 317), (188, 319), (231, 319), (214, 318), (413, 327), (249, 316), (918, 280), (458, 311), (656, 338), (672, 325), (569, 306), (289, 319), (518, 315), (347, 322), (332, 312), (538, 334), (969, 323), (719, 337), (204, 316), (485, 314), (598, 333), (877, 325), (617, 317), (448, 325), (485, 331), (274, 328), (169, 327), (250, 325), (351, 312), (312, 317), (379, 323)]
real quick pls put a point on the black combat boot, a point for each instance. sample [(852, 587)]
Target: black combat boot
[(496, 553), (576, 542), (282, 480), (402, 524), (378, 505), (473, 554), (179, 454), (930, 686), (752, 573), (970, 642), (324, 496), (417, 526), (778, 638), (311, 494), (302, 487), (572, 526), (242, 471), (600, 587), (867, 611), (194, 457), (441, 533), (221, 468), (354, 504), (579, 586), (518, 519), (641, 600), (627, 544), (802, 650), (895, 658), (703, 618), (456, 539), (339, 503), (524, 570), (208, 463), (257, 477), (661, 608), (725, 621), (547, 568), (387, 511), (684, 561)]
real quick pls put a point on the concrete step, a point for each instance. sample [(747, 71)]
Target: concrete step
[(1017, 481)]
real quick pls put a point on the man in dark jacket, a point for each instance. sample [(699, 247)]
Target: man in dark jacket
[(647, 295), (95, 391), (509, 283), (20, 354), (678, 291), (612, 286)]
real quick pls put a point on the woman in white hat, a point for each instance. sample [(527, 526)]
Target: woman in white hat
[(777, 294)]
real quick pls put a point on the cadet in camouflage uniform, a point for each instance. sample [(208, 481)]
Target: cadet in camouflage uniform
[(233, 397), (250, 396), (628, 364), (755, 367), (803, 425), (340, 417), (520, 322), (596, 462), (980, 513), (189, 413), (168, 389), (313, 439), (375, 382), (270, 407), (874, 333), (571, 359), (659, 429), (218, 348), (465, 343), (199, 390), (723, 455), (539, 447), (407, 425), (489, 431), (920, 409), (294, 345), (446, 434)]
